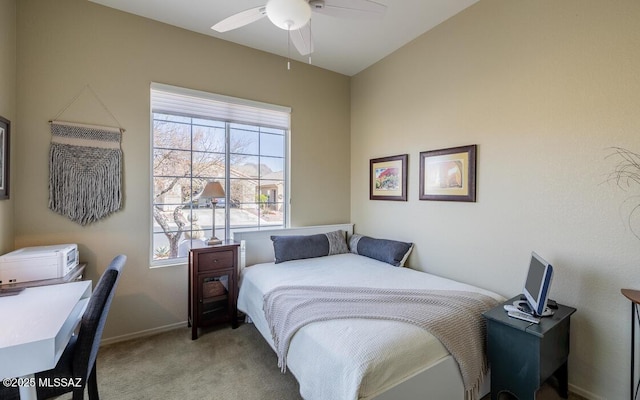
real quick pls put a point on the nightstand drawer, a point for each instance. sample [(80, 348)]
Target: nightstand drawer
[(215, 260)]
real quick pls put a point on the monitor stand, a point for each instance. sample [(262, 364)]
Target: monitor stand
[(524, 305)]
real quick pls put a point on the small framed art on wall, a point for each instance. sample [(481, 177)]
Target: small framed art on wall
[(448, 174), (388, 178), (4, 158)]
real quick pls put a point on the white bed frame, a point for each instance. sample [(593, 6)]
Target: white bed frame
[(439, 381)]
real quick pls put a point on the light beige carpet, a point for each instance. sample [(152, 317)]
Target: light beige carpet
[(222, 364)]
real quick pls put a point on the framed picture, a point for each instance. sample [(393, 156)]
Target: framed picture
[(4, 158), (448, 174), (388, 178)]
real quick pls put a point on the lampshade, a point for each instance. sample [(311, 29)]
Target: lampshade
[(289, 14), (213, 190)]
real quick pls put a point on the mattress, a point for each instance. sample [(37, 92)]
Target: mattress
[(352, 358)]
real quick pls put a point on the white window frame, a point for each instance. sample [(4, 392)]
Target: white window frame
[(177, 100)]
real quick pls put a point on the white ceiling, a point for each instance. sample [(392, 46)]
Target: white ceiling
[(341, 45)]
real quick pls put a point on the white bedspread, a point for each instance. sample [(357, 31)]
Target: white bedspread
[(349, 359)]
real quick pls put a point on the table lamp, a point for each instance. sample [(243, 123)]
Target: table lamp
[(213, 190)]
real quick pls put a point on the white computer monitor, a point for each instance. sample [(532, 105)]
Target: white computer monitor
[(538, 283)]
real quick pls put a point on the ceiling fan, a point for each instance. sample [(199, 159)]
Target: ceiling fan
[(295, 15)]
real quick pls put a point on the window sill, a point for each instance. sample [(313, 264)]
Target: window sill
[(175, 262)]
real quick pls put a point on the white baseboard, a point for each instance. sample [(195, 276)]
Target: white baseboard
[(140, 334), (586, 394)]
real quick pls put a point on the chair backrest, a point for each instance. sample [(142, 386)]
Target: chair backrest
[(94, 318)]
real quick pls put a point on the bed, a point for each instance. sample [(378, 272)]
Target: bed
[(352, 358)]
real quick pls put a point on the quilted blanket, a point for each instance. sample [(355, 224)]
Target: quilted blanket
[(454, 317)]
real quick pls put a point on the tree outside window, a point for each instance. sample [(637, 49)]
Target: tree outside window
[(189, 151)]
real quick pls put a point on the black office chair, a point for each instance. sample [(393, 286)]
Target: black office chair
[(9, 393), (79, 357)]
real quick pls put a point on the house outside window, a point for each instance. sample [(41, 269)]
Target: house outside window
[(198, 138)]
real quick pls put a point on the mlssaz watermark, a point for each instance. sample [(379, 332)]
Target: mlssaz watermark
[(43, 382)]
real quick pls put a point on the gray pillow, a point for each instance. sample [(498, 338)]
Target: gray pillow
[(389, 251), (287, 248)]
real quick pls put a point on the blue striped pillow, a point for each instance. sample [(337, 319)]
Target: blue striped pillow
[(389, 251), (287, 248)]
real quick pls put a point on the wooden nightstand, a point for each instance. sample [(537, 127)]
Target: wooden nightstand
[(213, 286), (523, 355), (634, 296)]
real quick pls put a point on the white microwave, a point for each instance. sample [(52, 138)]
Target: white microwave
[(37, 263)]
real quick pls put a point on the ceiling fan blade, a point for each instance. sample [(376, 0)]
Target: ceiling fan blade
[(348, 8), (240, 19), (302, 40)]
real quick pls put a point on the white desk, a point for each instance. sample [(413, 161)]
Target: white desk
[(35, 327)]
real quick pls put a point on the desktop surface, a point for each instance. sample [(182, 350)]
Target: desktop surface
[(37, 325)]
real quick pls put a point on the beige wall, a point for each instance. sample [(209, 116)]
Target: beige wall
[(544, 88), (67, 44), (8, 109)]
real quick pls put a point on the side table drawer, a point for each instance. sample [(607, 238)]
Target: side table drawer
[(215, 260)]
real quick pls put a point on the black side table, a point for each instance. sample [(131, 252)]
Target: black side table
[(523, 355), (634, 296)]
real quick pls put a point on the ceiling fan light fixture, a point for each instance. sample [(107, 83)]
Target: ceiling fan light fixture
[(288, 14)]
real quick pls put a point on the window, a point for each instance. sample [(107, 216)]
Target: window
[(199, 138)]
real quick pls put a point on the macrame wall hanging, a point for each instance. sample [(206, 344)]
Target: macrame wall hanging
[(85, 168)]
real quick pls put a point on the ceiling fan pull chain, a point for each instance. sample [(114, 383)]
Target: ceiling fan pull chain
[(288, 50), (310, 40)]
